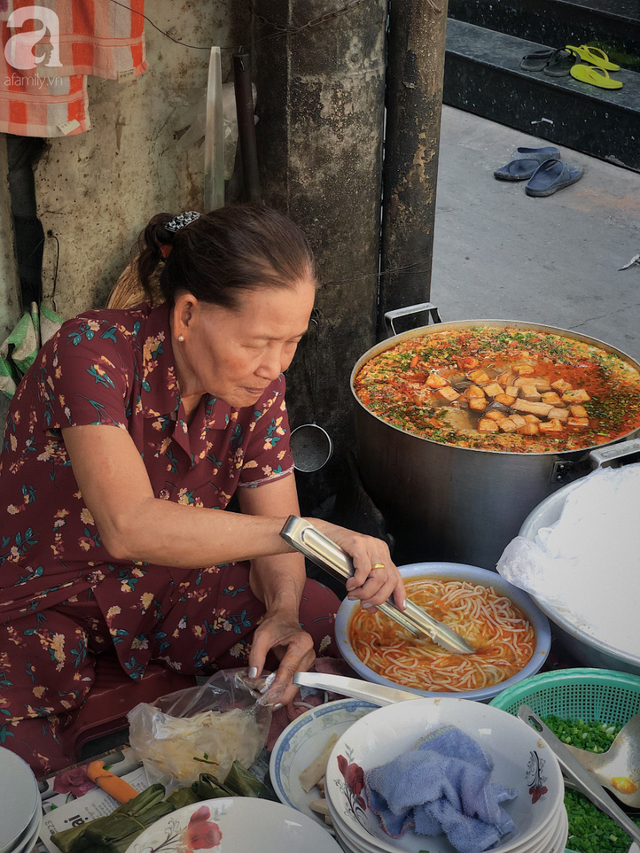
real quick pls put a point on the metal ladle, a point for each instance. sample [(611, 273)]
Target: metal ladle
[(617, 769)]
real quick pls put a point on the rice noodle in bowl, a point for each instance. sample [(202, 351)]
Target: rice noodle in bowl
[(510, 635), (504, 640)]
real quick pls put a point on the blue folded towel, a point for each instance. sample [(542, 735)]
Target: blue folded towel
[(442, 785)]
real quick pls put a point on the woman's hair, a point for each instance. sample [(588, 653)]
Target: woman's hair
[(223, 252)]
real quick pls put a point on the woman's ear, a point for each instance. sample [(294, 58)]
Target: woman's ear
[(184, 311)]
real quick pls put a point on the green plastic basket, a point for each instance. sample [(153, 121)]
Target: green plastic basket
[(590, 695)]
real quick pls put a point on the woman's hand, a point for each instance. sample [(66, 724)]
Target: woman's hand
[(376, 576), (280, 631)]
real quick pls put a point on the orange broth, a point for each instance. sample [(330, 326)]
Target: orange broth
[(503, 638), (398, 385)]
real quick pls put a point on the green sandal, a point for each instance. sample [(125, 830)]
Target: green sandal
[(594, 56)]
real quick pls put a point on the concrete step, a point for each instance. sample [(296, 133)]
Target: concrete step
[(483, 76), (614, 25)]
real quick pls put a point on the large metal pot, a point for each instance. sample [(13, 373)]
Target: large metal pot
[(455, 503)]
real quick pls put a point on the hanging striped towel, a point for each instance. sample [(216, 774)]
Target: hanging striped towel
[(47, 51)]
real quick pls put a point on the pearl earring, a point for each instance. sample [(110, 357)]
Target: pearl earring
[(181, 338)]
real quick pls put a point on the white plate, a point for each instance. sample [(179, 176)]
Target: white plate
[(236, 825), (31, 838), (19, 797), (521, 758), (305, 739)]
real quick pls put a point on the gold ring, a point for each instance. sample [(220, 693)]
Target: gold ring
[(377, 566)]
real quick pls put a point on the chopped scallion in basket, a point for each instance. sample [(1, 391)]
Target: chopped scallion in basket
[(590, 831)]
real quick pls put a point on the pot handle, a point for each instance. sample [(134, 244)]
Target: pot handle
[(603, 458), (390, 316)]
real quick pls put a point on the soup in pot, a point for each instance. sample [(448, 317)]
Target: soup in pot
[(502, 389)]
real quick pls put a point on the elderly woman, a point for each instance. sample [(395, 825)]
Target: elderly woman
[(125, 442)]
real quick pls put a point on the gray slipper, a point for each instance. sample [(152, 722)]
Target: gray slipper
[(524, 162), (537, 60), (552, 176)]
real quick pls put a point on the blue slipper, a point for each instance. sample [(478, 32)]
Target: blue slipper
[(552, 176), (524, 162)]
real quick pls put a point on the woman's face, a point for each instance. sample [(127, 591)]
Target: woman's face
[(236, 354)]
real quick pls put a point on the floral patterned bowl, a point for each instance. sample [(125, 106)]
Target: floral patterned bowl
[(234, 825), (521, 760)]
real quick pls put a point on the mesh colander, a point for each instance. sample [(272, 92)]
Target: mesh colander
[(583, 694)]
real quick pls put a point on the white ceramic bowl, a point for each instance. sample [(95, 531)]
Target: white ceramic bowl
[(304, 740), (459, 572), (522, 760)]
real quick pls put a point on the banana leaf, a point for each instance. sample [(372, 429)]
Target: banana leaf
[(244, 784), (208, 788), (125, 827), (74, 840), (182, 797)]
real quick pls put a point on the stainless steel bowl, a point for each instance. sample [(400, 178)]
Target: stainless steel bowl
[(583, 646)]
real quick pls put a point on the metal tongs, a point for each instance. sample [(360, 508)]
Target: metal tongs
[(307, 539)]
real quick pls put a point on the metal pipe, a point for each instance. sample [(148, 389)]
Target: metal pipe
[(246, 125)]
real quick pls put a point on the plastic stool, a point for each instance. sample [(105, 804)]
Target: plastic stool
[(111, 698)]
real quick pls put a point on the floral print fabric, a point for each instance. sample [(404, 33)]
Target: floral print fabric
[(117, 368)]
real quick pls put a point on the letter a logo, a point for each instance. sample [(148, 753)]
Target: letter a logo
[(18, 50)]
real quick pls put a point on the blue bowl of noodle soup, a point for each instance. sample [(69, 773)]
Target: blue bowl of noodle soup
[(511, 635)]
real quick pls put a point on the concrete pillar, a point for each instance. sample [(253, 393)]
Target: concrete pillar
[(9, 284), (320, 105), (417, 30)]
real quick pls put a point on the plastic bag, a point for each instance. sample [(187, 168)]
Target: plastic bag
[(201, 729)]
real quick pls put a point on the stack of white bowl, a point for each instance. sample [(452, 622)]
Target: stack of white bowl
[(20, 805), (521, 759)]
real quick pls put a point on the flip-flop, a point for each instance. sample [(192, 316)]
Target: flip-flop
[(537, 60), (594, 56), (561, 63), (551, 176), (595, 77), (524, 162)]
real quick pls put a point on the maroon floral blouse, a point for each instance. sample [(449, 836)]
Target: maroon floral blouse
[(117, 368)]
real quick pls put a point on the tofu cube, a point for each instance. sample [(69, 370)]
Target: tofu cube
[(578, 396), (530, 393), (551, 397), (474, 391), (561, 385), (478, 404), (506, 377), (493, 389), (505, 399), (523, 369), (518, 420), (528, 429), (578, 412), (551, 426), (507, 425), (485, 425), (448, 394), (495, 415), (531, 419), (578, 422), (559, 414), (537, 381), (512, 390), (479, 377), (532, 408), (435, 381)]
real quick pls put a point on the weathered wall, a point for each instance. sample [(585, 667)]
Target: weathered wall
[(96, 191)]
